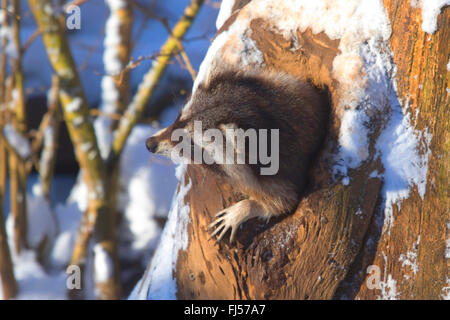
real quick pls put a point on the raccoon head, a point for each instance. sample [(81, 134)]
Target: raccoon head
[(162, 142), (183, 134)]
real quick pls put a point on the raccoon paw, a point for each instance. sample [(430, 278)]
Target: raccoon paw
[(231, 218)]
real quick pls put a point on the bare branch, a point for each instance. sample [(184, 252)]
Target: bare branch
[(151, 79)]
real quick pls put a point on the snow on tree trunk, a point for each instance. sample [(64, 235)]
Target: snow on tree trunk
[(377, 199)]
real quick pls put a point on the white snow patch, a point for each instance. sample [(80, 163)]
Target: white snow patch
[(103, 265), (225, 12), (158, 282), (113, 39), (47, 150), (34, 282), (74, 105), (40, 219), (430, 12), (399, 146), (374, 174), (389, 285), (69, 217), (346, 181), (17, 141), (147, 183), (77, 121), (446, 290), (388, 289)]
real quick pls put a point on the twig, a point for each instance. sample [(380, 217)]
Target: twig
[(75, 3), (151, 79), (30, 40), (82, 134)]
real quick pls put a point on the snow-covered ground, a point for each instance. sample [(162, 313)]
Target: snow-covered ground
[(146, 188)]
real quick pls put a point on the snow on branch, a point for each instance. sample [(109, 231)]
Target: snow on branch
[(16, 141)]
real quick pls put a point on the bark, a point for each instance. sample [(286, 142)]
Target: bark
[(81, 131), (323, 249), (423, 79), (49, 130), (17, 165)]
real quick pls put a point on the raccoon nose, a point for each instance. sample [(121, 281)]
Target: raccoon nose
[(151, 144)]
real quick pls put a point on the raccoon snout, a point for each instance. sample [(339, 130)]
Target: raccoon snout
[(152, 144)]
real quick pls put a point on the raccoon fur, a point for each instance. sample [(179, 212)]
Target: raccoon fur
[(256, 100)]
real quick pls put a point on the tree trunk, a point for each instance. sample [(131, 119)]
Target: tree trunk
[(323, 249), (17, 165), (81, 131), (421, 225)]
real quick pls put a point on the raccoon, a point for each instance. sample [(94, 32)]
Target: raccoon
[(258, 100)]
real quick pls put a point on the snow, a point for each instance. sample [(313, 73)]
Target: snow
[(363, 71), (113, 65), (34, 282), (47, 150), (400, 147), (68, 217), (410, 258), (146, 188), (103, 264), (226, 9), (358, 24), (159, 283), (388, 286), (7, 34), (17, 141), (111, 59), (87, 46), (74, 105), (41, 219), (147, 184), (446, 290), (430, 12), (388, 289)]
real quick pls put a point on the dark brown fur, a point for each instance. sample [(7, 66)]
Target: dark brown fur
[(263, 100)]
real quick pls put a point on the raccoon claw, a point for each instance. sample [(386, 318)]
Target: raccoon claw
[(224, 225), (230, 219)]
